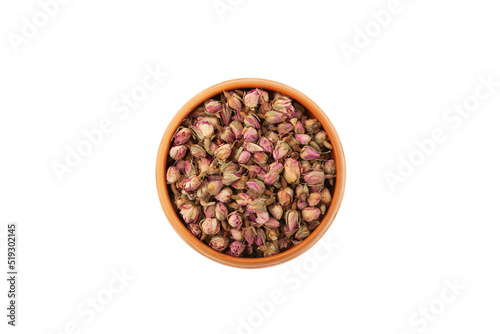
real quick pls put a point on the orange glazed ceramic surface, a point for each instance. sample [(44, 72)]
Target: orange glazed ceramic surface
[(175, 220)]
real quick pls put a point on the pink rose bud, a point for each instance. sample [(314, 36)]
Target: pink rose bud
[(265, 107), (182, 136), (226, 115), (303, 138), (229, 177), (210, 226), (192, 183), (273, 136), (213, 106), (312, 125), (291, 222), (274, 117), (190, 169), (260, 237), (266, 144), (299, 128), (190, 212), (233, 100), (214, 187), (250, 134), (236, 248), (310, 214), (236, 128), (285, 196), (281, 150), (173, 175), (214, 121), (302, 233), (302, 191), (330, 167), (314, 177), (252, 148), (223, 152), (227, 135), (224, 195), (243, 199), (292, 170), (209, 211), (252, 120), (249, 235), (276, 167), (203, 129), (272, 223), (234, 219), (271, 178), (254, 97), (260, 158), (262, 217), (203, 165), (256, 205), (194, 229), (180, 164), (253, 170), (301, 204), (317, 188), (314, 199), (308, 153), (244, 157), (285, 128), (320, 137), (178, 152), (272, 234), (202, 192), (236, 234), (219, 243), (276, 211), (256, 185), (326, 197), (197, 151), (220, 211), (283, 103)]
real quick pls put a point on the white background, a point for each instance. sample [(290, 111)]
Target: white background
[(396, 248)]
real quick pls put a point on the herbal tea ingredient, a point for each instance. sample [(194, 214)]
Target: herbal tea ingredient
[(248, 174)]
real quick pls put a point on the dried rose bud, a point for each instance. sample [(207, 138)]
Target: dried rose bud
[(197, 151), (236, 128), (202, 192), (262, 217), (243, 199), (326, 197), (194, 229), (312, 125), (292, 222), (308, 153), (220, 211), (315, 177), (190, 168), (330, 167), (301, 204), (266, 144), (219, 243), (192, 183), (252, 120), (305, 166), (236, 248), (214, 187), (213, 106), (179, 202), (252, 148), (203, 129), (265, 107), (285, 128), (303, 138), (178, 152), (274, 117), (314, 199), (226, 115), (302, 191), (269, 249), (320, 137), (253, 170), (249, 235), (272, 223), (273, 136), (260, 237), (283, 103), (299, 128), (256, 205), (317, 188), (260, 158), (203, 165), (173, 174), (276, 211), (302, 233), (285, 196), (227, 135), (244, 157), (310, 214), (256, 185), (234, 219), (276, 167), (224, 195), (190, 212), (292, 170), (210, 226), (272, 234), (182, 136), (229, 177), (283, 243), (271, 178), (281, 150), (233, 100), (180, 164), (236, 234), (223, 152), (250, 134), (229, 167), (254, 97)]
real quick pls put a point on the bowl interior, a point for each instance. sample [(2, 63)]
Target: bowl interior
[(337, 189)]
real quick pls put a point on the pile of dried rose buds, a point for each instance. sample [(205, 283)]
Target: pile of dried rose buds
[(248, 174)]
